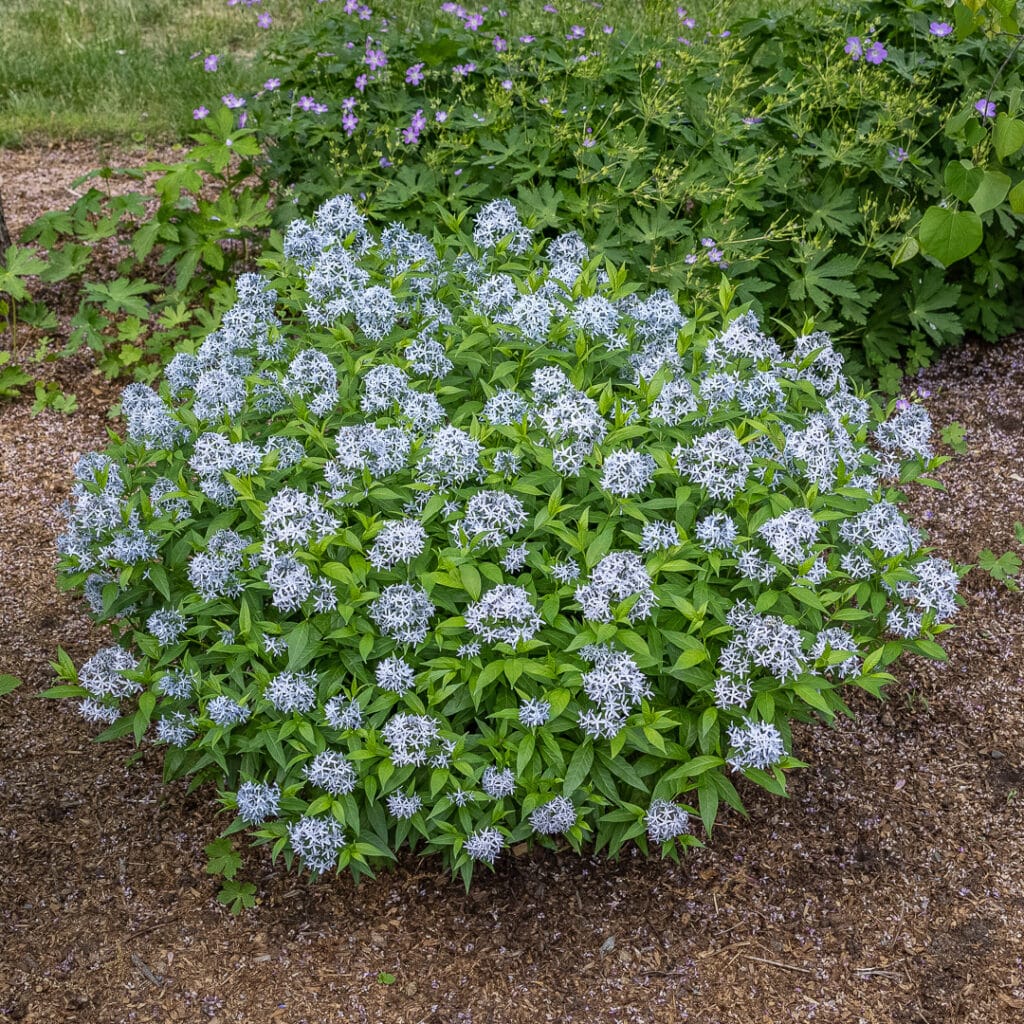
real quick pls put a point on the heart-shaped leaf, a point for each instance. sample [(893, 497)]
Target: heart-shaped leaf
[(949, 235), (1008, 135), (991, 192)]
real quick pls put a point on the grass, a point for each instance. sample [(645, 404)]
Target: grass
[(124, 69), (121, 69)]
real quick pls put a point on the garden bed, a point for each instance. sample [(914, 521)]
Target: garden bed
[(888, 888)]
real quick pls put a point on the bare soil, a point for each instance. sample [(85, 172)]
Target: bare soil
[(888, 888)]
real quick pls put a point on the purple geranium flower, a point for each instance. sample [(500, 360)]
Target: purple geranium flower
[(210, 64), (349, 122), (500, 45), (473, 22), (876, 53), (271, 84), (940, 28), (264, 20), (360, 82), (232, 102), (853, 47), (414, 75), (986, 108), (199, 113), (375, 60), (441, 116)]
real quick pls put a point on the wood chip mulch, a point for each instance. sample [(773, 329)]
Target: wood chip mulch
[(888, 888)]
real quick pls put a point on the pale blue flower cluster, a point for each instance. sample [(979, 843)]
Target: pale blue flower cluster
[(338, 542)]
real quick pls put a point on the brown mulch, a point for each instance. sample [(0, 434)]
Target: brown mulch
[(889, 888)]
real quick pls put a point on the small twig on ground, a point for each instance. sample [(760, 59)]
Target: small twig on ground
[(154, 979), (876, 971), (151, 928), (778, 963)]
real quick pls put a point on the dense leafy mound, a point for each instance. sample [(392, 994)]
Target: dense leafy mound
[(466, 542)]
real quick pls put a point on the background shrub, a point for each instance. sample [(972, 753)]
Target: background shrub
[(466, 542), (795, 151)]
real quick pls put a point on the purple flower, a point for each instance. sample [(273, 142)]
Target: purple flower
[(264, 20), (441, 116), (199, 113), (940, 28), (463, 70), (853, 47), (986, 108), (550, 9), (385, 162), (411, 135), (690, 22), (500, 45), (348, 104), (232, 102), (210, 64), (576, 32), (690, 257), (527, 39), (753, 120), (589, 143), (506, 83), (414, 75), (902, 405), (457, 171), (608, 29), (360, 82), (271, 84), (876, 53), (375, 60), (349, 122), (899, 154), (473, 22)]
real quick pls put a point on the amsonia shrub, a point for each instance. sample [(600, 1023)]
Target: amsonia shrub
[(466, 542)]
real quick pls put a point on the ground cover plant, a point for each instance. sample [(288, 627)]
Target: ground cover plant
[(470, 542), (855, 164)]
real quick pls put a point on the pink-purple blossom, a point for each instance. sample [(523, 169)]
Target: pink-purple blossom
[(940, 28), (232, 102), (985, 107), (211, 62), (375, 59), (199, 113), (414, 74)]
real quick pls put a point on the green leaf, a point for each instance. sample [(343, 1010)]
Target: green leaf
[(237, 895), (470, 580), (301, 646), (1002, 567), (1008, 135), (949, 235), (700, 765), (8, 683), (222, 858), (991, 192), (578, 768), (962, 179), (1017, 197)]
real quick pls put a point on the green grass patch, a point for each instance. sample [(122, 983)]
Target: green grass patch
[(121, 69)]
